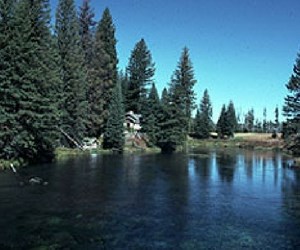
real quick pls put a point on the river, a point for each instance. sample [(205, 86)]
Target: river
[(208, 199)]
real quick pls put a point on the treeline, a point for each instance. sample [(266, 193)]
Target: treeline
[(64, 80)]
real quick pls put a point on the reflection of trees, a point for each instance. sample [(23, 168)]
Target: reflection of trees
[(291, 191), (203, 168), (226, 164), (291, 202)]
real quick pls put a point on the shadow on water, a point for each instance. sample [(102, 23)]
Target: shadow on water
[(207, 199)]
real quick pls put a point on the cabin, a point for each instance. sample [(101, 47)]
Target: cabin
[(132, 121)]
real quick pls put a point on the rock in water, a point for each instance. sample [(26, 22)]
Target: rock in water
[(35, 180)]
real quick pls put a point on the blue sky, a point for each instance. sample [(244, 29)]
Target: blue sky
[(242, 50)]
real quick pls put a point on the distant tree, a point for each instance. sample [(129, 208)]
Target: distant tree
[(140, 70), (249, 121), (203, 119), (87, 24), (276, 123), (227, 123), (73, 72), (276, 117), (164, 97), (231, 117), (103, 76), (258, 126), (114, 130), (264, 126), (184, 81), (152, 112), (223, 124)]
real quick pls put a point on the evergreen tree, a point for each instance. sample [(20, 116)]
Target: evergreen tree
[(103, 75), (152, 112), (164, 97), (171, 133), (176, 115), (222, 124), (277, 117), (87, 24), (265, 120), (73, 72), (249, 121), (184, 81), (231, 117), (140, 72), (203, 119), (292, 100), (32, 75), (124, 82), (8, 91), (114, 130)]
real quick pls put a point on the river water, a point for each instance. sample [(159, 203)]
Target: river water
[(207, 199)]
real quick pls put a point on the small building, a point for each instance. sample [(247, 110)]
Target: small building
[(132, 121)]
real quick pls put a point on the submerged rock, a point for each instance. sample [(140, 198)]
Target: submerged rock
[(37, 181)]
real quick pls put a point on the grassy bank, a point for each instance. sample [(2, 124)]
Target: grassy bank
[(243, 140)]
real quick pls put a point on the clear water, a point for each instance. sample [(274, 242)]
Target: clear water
[(203, 200)]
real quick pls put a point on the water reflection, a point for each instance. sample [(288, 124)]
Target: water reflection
[(208, 199), (226, 164)]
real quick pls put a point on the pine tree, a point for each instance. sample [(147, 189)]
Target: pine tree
[(265, 121), (164, 97), (124, 82), (171, 133), (249, 120), (276, 123), (222, 124), (175, 119), (231, 117), (292, 100), (203, 119), (87, 24), (152, 111), (8, 91), (33, 77), (140, 70), (276, 117), (73, 72), (184, 79), (114, 130), (103, 75)]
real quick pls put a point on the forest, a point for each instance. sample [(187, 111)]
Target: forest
[(63, 79)]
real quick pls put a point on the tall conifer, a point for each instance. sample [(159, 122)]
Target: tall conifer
[(152, 112), (8, 91), (203, 119), (140, 70), (34, 79), (292, 100), (184, 79), (231, 117), (73, 72), (114, 130), (103, 74), (87, 24)]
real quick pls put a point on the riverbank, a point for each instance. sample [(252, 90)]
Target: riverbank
[(256, 141)]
